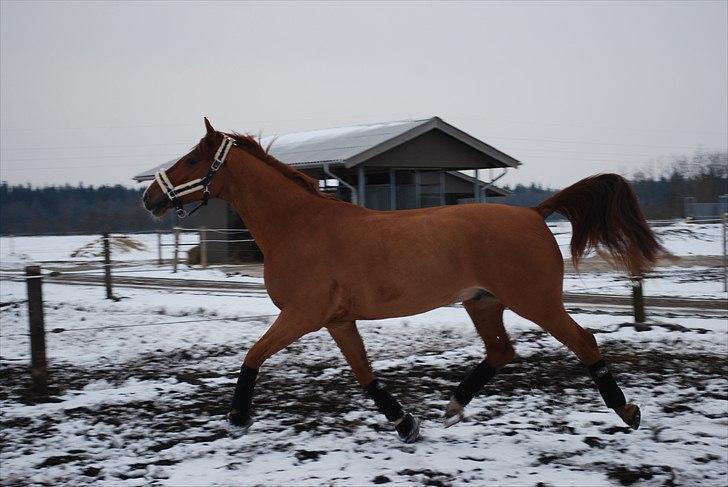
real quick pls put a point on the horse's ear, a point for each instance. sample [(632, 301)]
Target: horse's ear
[(208, 126)]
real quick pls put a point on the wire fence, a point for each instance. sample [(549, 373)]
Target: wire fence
[(239, 319), (224, 247)]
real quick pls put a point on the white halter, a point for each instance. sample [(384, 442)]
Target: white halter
[(176, 192)]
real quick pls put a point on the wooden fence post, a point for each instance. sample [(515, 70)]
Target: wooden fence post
[(159, 247), (38, 365), (107, 266), (176, 249), (203, 247), (638, 301)]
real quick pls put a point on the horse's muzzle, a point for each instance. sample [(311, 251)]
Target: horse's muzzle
[(157, 205)]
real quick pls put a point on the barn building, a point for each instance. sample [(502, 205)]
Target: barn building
[(383, 166)]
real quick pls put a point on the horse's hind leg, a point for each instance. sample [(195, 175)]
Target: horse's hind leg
[(347, 337), (582, 342), (487, 315)]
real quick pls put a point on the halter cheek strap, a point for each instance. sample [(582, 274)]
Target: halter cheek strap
[(176, 192)]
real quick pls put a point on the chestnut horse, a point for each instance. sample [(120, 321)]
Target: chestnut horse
[(329, 263)]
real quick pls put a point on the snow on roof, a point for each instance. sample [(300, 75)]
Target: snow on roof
[(334, 144)]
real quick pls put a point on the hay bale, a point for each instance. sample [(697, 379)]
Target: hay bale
[(118, 243), (193, 255)]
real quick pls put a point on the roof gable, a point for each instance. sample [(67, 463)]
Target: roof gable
[(502, 159)]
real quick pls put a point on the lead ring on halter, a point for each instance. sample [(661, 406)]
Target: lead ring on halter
[(175, 192)]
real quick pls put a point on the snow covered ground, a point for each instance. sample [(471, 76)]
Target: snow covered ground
[(689, 282), (140, 387), (679, 237), (144, 405), (27, 250)]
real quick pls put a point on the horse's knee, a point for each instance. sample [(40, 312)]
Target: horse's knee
[(589, 353), (257, 354), (253, 360), (499, 357)]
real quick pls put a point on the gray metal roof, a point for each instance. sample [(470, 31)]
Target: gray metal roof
[(335, 144), (355, 144)]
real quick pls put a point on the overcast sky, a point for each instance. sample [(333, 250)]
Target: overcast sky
[(96, 92)]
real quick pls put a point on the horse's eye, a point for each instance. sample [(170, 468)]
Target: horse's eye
[(191, 161)]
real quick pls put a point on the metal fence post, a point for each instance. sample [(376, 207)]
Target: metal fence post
[(203, 247), (176, 249), (725, 258), (107, 266), (638, 301), (159, 247), (38, 365)]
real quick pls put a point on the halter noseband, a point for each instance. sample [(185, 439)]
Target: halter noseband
[(176, 192)]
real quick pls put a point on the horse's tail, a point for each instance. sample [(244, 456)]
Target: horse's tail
[(605, 214)]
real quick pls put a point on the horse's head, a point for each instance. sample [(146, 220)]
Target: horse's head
[(191, 178)]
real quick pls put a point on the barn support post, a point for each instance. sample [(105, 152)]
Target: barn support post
[(107, 266), (441, 174), (159, 247), (176, 249), (638, 300), (327, 171), (392, 190), (203, 247), (362, 183), (38, 364), (476, 187), (418, 189), (689, 207)]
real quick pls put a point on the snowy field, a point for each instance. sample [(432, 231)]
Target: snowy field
[(140, 387), (689, 241)]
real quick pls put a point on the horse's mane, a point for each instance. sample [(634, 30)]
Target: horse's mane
[(252, 146)]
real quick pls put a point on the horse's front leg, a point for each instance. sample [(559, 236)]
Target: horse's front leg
[(347, 337), (287, 328)]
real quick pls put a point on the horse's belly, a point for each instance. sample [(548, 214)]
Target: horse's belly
[(387, 301)]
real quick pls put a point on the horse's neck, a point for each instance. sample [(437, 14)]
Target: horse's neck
[(269, 203)]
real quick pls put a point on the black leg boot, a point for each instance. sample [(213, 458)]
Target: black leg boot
[(466, 391), (407, 425), (239, 414), (613, 395)]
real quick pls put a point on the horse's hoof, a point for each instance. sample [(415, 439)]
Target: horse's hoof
[(454, 413), (631, 415), (408, 428), (236, 418)]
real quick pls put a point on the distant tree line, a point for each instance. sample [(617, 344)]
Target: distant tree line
[(87, 209), (703, 176), (73, 210)]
